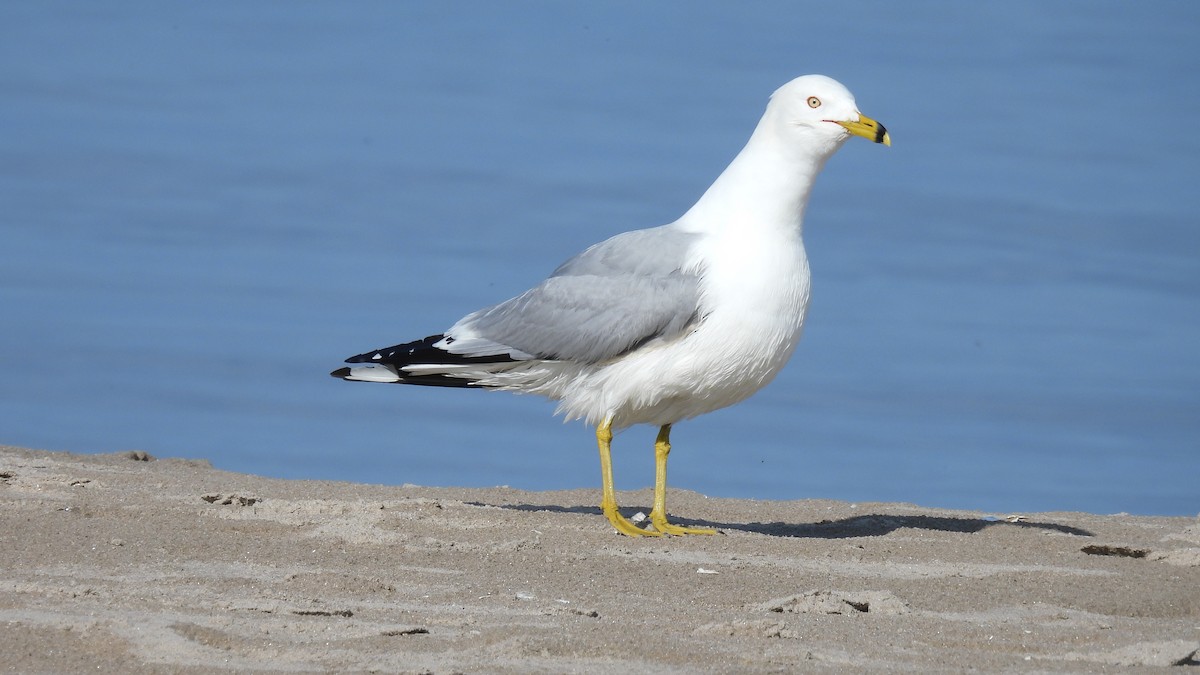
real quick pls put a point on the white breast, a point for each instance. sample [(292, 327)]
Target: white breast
[(756, 296)]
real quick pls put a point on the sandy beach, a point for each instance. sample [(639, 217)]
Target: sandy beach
[(128, 563)]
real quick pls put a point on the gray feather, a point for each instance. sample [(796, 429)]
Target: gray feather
[(614, 297)]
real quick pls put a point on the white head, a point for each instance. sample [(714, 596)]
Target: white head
[(818, 114), (769, 181)]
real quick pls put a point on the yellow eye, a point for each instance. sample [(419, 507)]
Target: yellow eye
[(814, 102)]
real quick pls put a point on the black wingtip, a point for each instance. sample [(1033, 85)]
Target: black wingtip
[(341, 373), (409, 352), (422, 352)]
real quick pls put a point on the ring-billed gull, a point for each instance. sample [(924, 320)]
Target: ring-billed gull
[(660, 325)]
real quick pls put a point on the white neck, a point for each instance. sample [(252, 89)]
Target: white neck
[(768, 183)]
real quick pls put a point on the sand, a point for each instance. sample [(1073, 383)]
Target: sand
[(126, 563)]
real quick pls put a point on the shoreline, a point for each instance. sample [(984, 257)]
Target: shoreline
[(123, 562)]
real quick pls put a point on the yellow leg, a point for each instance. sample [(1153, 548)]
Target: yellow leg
[(608, 502), (658, 515)]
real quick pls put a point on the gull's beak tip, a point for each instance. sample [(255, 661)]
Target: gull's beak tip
[(869, 129)]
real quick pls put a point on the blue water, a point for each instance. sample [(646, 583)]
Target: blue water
[(204, 207)]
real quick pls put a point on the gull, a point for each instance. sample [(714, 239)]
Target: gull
[(659, 325)]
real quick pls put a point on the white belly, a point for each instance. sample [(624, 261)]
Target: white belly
[(755, 302)]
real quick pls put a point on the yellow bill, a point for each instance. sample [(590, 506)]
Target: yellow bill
[(869, 129)]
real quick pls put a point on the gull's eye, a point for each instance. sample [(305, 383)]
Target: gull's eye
[(814, 102)]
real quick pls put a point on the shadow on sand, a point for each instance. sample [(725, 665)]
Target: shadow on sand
[(867, 525)]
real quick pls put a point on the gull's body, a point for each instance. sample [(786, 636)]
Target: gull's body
[(660, 325)]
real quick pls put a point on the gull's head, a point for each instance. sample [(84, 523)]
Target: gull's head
[(819, 113)]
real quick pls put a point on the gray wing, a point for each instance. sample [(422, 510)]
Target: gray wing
[(612, 298)]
